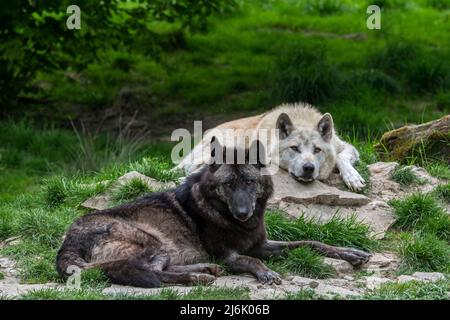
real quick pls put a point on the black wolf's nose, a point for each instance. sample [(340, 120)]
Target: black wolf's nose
[(243, 211), (308, 168)]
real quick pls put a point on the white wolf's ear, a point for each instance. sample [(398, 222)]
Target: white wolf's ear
[(284, 124), (325, 127)]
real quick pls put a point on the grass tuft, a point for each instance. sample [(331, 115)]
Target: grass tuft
[(404, 176), (413, 290), (414, 211), (443, 192), (302, 261), (423, 252), (338, 231), (156, 168), (133, 189)]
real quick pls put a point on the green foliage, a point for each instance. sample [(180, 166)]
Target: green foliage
[(442, 191), (131, 190), (323, 7), (302, 261), (421, 212), (439, 4), (424, 252), (303, 74), (35, 36), (422, 70), (438, 169), (413, 290), (156, 168), (197, 293), (303, 294), (404, 176), (338, 231)]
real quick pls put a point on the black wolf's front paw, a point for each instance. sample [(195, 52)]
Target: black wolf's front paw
[(269, 277), (354, 256)]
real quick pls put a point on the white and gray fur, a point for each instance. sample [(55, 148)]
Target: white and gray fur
[(308, 145)]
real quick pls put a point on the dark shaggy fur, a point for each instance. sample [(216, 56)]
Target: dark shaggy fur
[(169, 237)]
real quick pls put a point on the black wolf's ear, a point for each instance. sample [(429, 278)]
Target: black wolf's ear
[(284, 124), (217, 152), (325, 127), (257, 154)]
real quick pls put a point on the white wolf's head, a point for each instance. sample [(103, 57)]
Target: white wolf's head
[(307, 154)]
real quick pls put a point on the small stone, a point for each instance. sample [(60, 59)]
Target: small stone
[(330, 291), (405, 278), (428, 276), (135, 291), (374, 282), (340, 266)]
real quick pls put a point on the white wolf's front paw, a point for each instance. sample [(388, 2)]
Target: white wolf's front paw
[(353, 179)]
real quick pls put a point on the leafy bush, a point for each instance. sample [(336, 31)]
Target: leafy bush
[(35, 37)]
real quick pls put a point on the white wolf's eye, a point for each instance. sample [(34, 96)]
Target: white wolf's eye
[(295, 148), (317, 150)]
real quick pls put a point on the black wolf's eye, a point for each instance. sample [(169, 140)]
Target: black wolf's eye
[(250, 181), (229, 184), (317, 150), (295, 148)]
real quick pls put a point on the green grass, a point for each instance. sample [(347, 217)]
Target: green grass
[(131, 190), (302, 261), (412, 290), (423, 252), (442, 191), (404, 176), (247, 62), (338, 231), (439, 170), (297, 51), (421, 212), (197, 293), (303, 294)]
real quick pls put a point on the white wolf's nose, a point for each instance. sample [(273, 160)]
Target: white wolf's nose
[(308, 168)]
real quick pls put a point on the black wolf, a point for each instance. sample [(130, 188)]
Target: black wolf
[(169, 237)]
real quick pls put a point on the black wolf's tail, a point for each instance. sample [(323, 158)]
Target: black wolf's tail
[(130, 272)]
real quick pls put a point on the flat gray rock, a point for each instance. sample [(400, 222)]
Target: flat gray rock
[(16, 290), (289, 190), (135, 291)]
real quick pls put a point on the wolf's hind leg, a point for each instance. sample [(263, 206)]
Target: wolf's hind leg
[(140, 270), (210, 268)]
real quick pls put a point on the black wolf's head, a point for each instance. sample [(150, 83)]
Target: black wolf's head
[(233, 181)]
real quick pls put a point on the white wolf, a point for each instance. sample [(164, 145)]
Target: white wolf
[(308, 146)]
